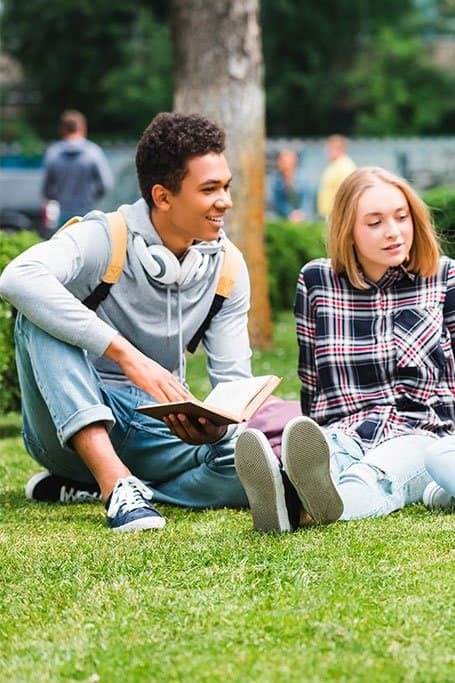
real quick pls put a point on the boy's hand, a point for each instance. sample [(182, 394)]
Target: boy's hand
[(146, 373), (194, 432)]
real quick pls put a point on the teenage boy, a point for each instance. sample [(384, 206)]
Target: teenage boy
[(82, 372)]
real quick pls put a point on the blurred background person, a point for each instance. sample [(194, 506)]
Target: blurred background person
[(340, 166), (291, 197), (76, 171)]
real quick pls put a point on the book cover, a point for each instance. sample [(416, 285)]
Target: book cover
[(228, 403)]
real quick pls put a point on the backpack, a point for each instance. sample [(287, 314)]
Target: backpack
[(119, 234)]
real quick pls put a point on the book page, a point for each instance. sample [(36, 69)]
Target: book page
[(236, 395)]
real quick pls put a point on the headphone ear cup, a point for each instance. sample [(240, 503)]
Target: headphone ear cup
[(157, 261), (190, 265)]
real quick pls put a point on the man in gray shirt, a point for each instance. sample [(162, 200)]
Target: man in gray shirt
[(76, 172), (83, 372)]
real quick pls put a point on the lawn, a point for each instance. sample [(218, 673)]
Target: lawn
[(208, 599)]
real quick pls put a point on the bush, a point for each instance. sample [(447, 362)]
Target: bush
[(289, 246), (441, 201), (10, 246)]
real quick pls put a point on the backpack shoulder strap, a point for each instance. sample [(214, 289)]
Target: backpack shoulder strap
[(224, 289), (119, 234), (229, 269)]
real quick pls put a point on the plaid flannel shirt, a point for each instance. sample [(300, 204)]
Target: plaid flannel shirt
[(379, 362)]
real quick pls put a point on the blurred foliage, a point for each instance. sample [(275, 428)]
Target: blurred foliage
[(353, 67), (396, 90), (86, 55), (441, 201), (10, 247), (309, 47), (18, 131), (342, 65), (288, 247), (141, 84)]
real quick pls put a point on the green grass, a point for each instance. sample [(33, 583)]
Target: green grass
[(208, 599)]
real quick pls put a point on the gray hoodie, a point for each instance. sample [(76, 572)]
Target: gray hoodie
[(48, 282), (77, 174)]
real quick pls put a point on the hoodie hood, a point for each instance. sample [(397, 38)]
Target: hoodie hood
[(138, 215), (71, 152)]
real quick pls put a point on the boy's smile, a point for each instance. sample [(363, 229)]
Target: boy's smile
[(197, 210)]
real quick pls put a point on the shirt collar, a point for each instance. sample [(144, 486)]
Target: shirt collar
[(390, 277)]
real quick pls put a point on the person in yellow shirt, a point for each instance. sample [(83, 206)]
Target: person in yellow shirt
[(340, 166)]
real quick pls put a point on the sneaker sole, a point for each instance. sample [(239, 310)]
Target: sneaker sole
[(259, 473), (33, 481), (429, 493), (306, 461), (435, 498), (142, 524)]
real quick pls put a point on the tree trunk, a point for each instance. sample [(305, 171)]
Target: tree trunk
[(218, 72)]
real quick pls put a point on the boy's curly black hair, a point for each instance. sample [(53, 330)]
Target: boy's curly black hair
[(166, 146)]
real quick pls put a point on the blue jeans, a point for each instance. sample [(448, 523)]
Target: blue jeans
[(385, 479), (440, 463), (62, 393)]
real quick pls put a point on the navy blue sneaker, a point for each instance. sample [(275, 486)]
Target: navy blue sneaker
[(52, 488), (129, 508)]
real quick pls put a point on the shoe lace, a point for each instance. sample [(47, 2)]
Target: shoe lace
[(129, 494)]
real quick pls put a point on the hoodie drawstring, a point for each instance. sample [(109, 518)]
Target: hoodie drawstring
[(179, 327), (179, 320)]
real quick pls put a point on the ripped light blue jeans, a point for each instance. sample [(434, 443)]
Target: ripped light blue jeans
[(383, 480), (62, 393), (440, 463)]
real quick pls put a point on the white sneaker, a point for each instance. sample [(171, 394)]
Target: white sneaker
[(436, 498), (273, 502), (306, 461)]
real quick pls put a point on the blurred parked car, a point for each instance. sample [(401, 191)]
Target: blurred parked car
[(21, 203), (22, 206)]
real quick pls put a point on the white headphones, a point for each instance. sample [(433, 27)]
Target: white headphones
[(164, 267)]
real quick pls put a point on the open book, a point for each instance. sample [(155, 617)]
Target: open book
[(228, 403)]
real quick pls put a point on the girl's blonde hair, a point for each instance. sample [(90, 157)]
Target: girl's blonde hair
[(424, 253)]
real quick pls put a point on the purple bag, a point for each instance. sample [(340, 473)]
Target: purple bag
[(272, 418)]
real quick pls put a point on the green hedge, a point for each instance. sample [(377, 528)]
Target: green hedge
[(10, 246), (441, 201), (288, 246)]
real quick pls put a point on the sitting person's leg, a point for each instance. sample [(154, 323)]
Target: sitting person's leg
[(440, 463), (331, 477), (386, 479), (60, 395), (304, 492), (66, 422), (201, 476)]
